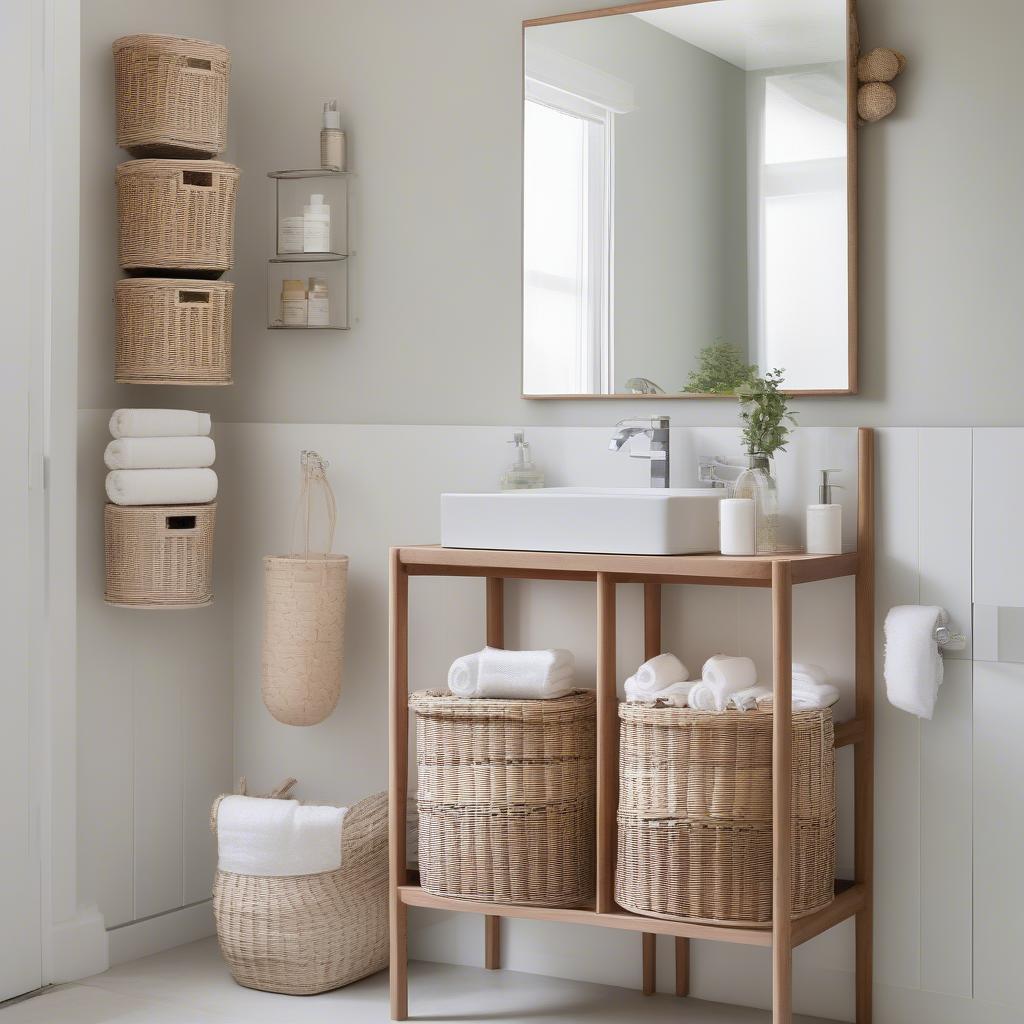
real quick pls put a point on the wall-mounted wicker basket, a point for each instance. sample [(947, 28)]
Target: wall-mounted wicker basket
[(176, 215), (173, 331), (172, 96), (695, 814), (159, 556), (506, 798)]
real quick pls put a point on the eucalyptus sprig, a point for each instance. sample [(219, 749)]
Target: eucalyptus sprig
[(764, 409)]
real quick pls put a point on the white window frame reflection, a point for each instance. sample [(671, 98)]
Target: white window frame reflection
[(591, 343)]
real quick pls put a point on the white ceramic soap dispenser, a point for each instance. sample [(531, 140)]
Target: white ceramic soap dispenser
[(825, 520), (522, 474)]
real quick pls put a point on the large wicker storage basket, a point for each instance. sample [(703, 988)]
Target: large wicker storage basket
[(159, 556), (695, 814), (506, 798), (172, 96), (176, 215), (305, 934), (173, 331)]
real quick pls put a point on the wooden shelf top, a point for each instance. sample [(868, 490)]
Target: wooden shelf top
[(848, 900), (716, 570)]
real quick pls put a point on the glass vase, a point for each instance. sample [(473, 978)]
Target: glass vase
[(758, 483)]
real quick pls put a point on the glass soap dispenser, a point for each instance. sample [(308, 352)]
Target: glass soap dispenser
[(522, 474)]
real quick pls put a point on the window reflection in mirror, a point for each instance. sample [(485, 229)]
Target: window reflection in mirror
[(686, 216)]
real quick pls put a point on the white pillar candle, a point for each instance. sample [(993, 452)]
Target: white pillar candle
[(736, 526)]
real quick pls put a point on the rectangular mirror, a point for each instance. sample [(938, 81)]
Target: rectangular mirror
[(689, 199)]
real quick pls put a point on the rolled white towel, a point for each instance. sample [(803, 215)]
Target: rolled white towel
[(159, 423), (746, 700), (675, 694), (160, 453), (721, 677), (817, 699), (525, 675), (161, 486), (659, 672), (464, 675), (913, 664), (805, 672)]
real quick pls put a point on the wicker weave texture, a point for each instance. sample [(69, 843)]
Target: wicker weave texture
[(303, 635), (172, 96), (173, 331), (695, 814), (176, 215), (311, 933), (159, 555), (506, 798)]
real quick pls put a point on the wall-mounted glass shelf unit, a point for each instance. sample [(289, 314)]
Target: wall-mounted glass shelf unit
[(293, 191)]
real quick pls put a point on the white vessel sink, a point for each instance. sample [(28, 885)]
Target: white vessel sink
[(602, 520)]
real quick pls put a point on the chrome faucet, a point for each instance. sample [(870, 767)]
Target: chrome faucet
[(656, 431)]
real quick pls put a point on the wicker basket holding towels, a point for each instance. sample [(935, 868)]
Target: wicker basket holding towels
[(303, 934), (506, 797), (695, 814)]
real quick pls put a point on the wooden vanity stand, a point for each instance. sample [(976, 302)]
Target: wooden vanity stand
[(779, 573)]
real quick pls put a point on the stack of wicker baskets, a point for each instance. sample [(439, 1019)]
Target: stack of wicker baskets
[(506, 798), (695, 814), (176, 210)]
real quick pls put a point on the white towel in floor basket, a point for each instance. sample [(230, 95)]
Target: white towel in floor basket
[(301, 892)]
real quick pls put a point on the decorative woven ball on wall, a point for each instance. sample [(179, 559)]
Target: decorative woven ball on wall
[(876, 98)]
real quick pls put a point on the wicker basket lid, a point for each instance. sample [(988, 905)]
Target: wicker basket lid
[(438, 704), (161, 168), (171, 44)]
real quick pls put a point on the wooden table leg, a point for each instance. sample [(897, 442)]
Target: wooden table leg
[(607, 744), (682, 967), (495, 638), (650, 957), (782, 792), (398, 783), (864, 751)]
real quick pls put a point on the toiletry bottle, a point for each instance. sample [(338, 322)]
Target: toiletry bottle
[(316, 225), (293, 303), (290, 235), (318, 312), (522, 474), (332, 139), (825, 520)]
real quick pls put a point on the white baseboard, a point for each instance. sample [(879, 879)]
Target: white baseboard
[(78, 948), (164, 931)]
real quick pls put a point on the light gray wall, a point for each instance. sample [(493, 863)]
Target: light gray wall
[(679, 198), (431, 95)]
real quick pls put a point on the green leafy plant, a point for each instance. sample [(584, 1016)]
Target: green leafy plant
[(722, 371), (764, 409)]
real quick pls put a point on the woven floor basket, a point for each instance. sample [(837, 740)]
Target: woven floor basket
[(506, 798), (172, 96), (303, 635), (173, 331), (159, 556), (695, 814), (310, 933), (176, 215)]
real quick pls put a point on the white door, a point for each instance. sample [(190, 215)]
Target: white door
[(22, 257)]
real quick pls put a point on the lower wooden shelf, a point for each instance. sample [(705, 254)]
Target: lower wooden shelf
[(849, 899)]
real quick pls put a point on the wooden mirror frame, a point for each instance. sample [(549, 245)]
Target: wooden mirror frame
[(852, 51)]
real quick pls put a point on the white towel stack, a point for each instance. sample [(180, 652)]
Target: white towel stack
[(663, 679), (160, 457), (811, 689), (513, 675)]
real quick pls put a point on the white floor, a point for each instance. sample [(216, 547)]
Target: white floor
[(191, 985)]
